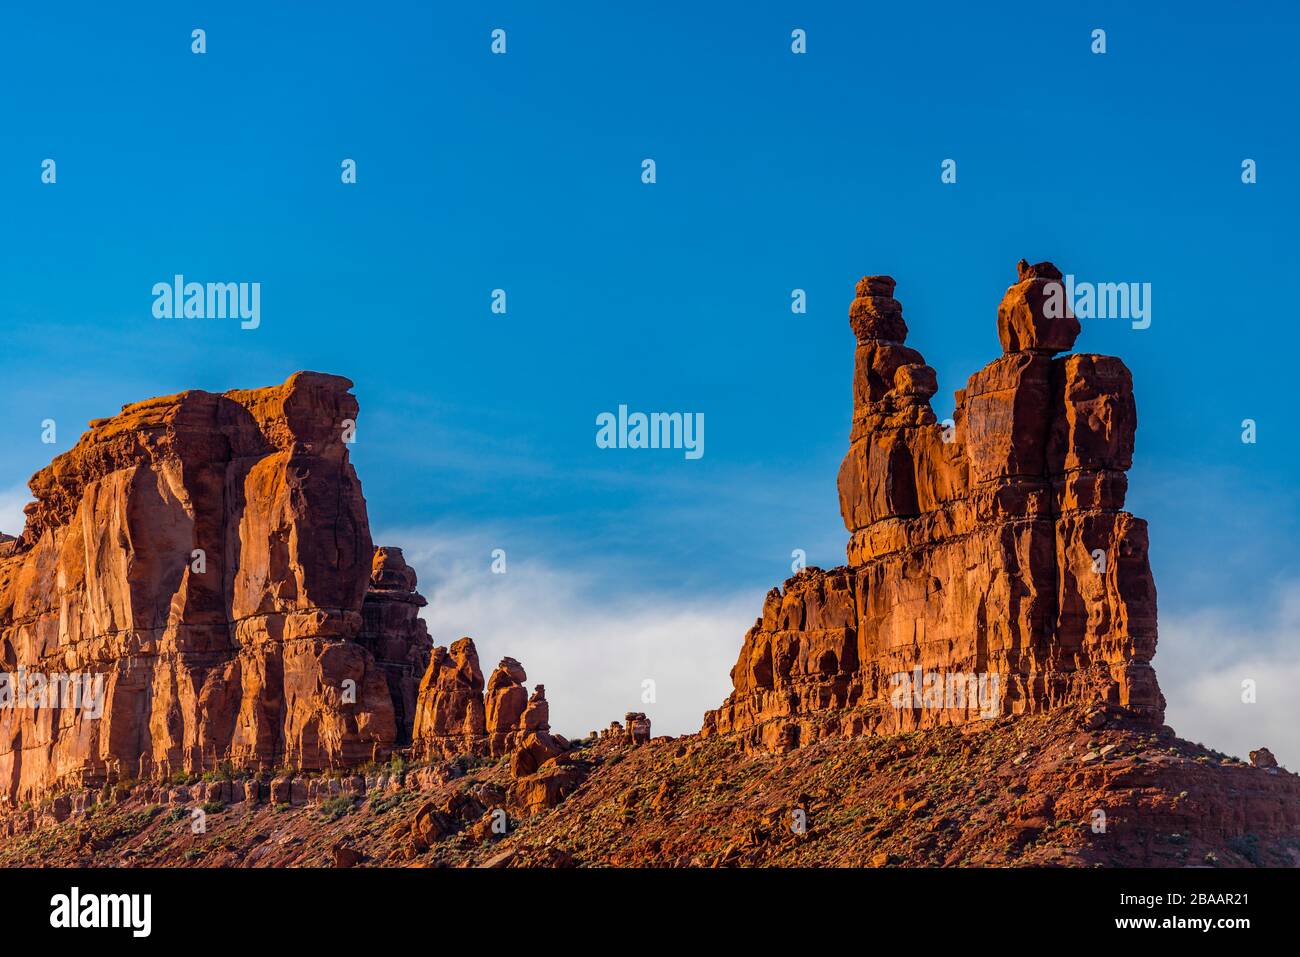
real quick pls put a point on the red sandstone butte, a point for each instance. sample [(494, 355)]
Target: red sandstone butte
[(994, 545), (210, 557)]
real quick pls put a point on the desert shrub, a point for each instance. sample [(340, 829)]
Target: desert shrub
[(381, 805), (331, 809)]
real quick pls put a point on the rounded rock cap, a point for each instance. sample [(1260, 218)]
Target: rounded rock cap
[(875, 314), (1034, 315), (876, 286)]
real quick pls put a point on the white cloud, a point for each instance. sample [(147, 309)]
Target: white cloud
[(591, 641), (1203, 658), (12, 501)]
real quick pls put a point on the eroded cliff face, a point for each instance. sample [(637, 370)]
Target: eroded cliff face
[(991, 568), (456, 713), (208, 559)]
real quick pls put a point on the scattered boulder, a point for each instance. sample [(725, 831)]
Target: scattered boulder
[(486, 827), (545, 789), (504, 859), (428, 825), (344, 856), (535, 750), (1263, 758), (1035, 315)]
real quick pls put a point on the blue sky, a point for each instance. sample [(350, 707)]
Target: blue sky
[(774, 171)]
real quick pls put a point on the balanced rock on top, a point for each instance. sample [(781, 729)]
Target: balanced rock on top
[(1035, 315)]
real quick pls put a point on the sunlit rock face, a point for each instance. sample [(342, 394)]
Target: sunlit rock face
[(207, 560), (991, 567)]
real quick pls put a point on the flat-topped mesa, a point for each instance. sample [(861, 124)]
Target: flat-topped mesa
[(992, 545), (207, 559)]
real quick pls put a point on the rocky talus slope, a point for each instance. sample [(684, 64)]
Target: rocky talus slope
[(1069, 788), (973, 687)]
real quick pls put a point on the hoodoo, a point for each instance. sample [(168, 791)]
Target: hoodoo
[(973, 687), (993, 548)]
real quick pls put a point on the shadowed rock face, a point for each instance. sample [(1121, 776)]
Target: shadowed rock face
[(209, 558), (994, 546)]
